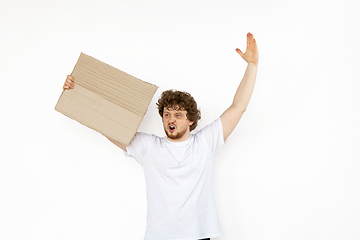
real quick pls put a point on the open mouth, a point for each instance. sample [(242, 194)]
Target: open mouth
[(171, 128)]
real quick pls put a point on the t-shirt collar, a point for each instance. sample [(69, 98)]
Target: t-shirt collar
[(179, 144)]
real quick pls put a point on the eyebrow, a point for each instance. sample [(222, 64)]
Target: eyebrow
[(176, 112)]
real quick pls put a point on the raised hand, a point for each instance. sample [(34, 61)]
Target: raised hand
[(251, 54)]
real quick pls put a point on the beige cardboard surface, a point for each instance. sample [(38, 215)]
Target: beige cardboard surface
[(106, 99)]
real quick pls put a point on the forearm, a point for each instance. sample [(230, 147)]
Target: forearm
[(120, 145), (245, 89)]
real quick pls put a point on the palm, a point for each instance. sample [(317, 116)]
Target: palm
[(251, 54)]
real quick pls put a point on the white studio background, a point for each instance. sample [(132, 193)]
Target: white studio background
[(289, 171)]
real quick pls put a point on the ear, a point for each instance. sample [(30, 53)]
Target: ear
[(191, 123)]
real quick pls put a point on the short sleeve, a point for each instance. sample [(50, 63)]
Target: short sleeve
[(213, 135), (139, 146)]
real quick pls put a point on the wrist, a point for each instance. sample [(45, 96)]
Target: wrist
[(252, 64)]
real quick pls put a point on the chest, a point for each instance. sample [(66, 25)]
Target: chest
[(178, 160), (177, 168)]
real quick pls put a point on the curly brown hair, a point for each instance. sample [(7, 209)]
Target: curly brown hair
[(180, 100)]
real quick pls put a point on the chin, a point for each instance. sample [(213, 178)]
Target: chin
[(175, 136)]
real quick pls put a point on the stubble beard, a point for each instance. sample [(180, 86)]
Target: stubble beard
[(176, 136)]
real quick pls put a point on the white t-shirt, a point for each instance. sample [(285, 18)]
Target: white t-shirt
[(178, 178)]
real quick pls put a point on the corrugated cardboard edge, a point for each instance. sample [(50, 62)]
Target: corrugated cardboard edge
[(114, 137)]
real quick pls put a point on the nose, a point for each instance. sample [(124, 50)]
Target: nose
[(172, 119)]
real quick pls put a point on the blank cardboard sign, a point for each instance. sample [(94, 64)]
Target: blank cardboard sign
[(106, 99)]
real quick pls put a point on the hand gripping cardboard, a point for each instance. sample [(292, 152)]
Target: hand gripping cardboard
[(106, 99)]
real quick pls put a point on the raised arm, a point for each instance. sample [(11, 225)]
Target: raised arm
[(120, 145), (233, 114)]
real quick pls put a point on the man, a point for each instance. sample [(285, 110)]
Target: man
[(178, 167)]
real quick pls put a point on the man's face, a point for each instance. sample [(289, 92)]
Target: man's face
[(176, 124)]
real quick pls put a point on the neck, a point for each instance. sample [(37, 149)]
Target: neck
[(183, 138)]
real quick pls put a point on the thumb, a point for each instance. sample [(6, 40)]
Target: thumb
[(240, 52)]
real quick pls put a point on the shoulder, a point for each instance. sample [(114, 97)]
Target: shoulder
[(215, 126), (140, 144), (211, 135), (144, 138)]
